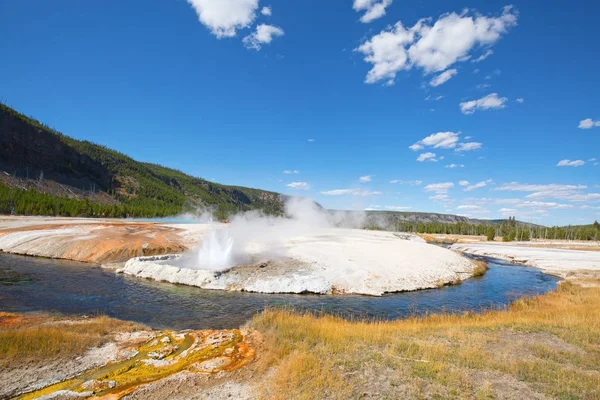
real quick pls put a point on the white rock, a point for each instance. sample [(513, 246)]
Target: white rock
[(331, 260)]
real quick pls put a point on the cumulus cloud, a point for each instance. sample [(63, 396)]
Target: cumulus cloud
[(463, 183), (439, 188), (224, 17), (569, 163), (264, 34), (432, 47), (266, 11), (520, 100), (366, 178), (482, 86), (411, 183), (373, 9), (482, 57), (468, 207), (543, 204), (443, 140), (298, 185), (489, 102), (469, 146), (477, 185), (353, 192), (588, 123), (388, 208), (443, 77), (427, 157), (519, 187)]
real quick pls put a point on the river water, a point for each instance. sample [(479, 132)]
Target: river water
[(54, 286)]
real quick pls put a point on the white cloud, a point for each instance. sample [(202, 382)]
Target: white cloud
[(470, 146), (518, 187), (311, 140), (520, 100), (430, 97), (389, 208), (366, 178), (482, 57), (444, 140), (588, 123), (266, 11), (463, 183), (543, 204), (439, 188), (427, 157), (482, 86), (569, 163), (443, 77), (454, 166), (467, 207), (289, 171), (373, 9), (411, 183), (477, 185), (353, 192), (432, 48), (264, 34), (298, 185), (224, 17), (592, 159), (491, 101)]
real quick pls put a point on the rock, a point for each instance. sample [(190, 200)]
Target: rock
[(95, 385)]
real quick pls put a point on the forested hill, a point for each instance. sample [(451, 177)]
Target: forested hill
[(43, 172)]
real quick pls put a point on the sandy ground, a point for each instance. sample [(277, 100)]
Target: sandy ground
[(556, 261), (91, 240), (326, 261)]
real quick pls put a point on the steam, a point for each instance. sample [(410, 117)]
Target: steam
[(253, 236)]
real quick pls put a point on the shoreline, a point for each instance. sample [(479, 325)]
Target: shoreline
[(521, 330)]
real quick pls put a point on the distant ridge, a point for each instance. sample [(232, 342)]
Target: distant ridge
[(44, 172), (36, 158)]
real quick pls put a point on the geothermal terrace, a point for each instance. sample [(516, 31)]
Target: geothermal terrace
[(272, 255), (258, 255)]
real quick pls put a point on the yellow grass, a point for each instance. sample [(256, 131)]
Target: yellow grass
[(548, 345), (26, 338)]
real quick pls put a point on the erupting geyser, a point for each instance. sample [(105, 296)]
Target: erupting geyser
[(215, 253)]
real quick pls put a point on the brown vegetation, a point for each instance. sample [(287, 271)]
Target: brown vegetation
[(548, 346), (42, 338)]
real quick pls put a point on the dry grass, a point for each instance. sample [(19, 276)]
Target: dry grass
[(548, 346), (42, 338), (481, 267)]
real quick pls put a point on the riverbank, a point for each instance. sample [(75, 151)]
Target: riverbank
[(306, 260), (84, 357), (89, 240), (552, 258), (538, 348)]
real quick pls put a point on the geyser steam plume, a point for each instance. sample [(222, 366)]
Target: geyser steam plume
[(251, 236)]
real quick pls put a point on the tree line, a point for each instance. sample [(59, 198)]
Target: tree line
[(30, 202), (509, 230)]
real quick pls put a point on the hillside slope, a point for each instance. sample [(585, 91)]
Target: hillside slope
[(45, 172)]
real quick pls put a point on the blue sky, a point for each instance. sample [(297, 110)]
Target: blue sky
[(239, 91)]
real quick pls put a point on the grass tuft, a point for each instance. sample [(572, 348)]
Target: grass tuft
[(26, 338), (548, 345)]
